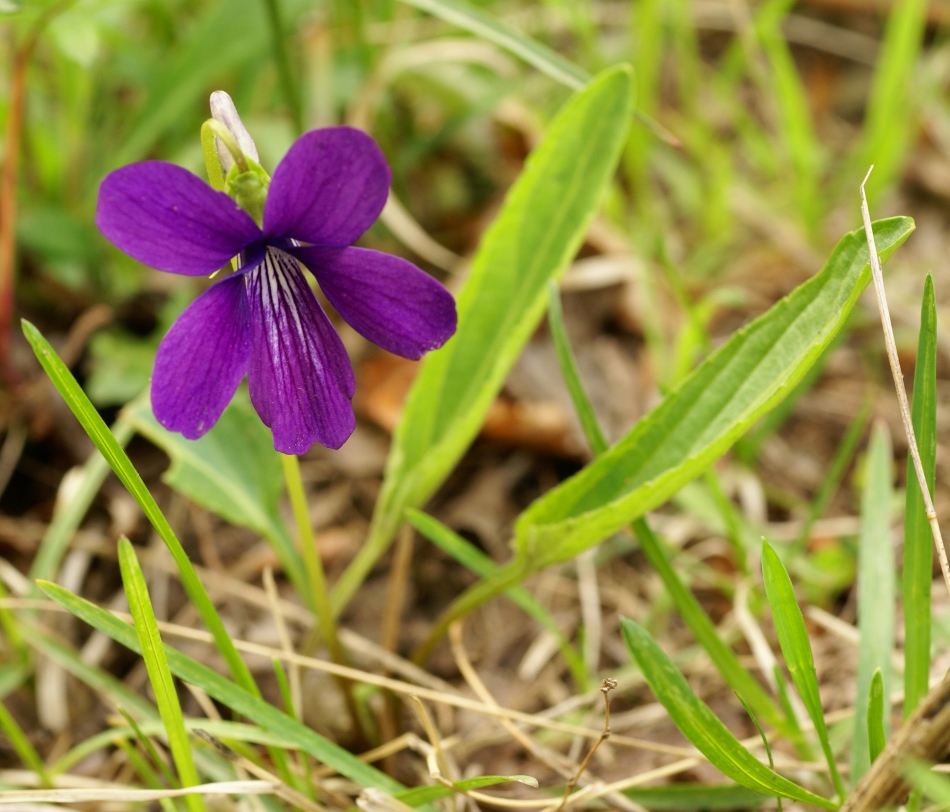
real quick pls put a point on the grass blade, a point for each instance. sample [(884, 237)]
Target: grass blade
[(166, 696), (686, 604), (538, 231), (235, 697), (479, 563), (918, 539), (876, 587), (701, 726), (793, 639), (114, 454), (22, 746), (877, 709)]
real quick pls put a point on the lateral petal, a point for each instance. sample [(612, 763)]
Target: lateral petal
[(385, 298), (329, 188), (167, 218), (299, 375), (202, 359)]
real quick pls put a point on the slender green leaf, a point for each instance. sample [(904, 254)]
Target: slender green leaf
[(166, 696), (537, 233), (725, 660), (479, 563), (22, 746), (877, 709), (149, 748), (701, 726), (706, 414), (223, 690), (793, 639), (69, 515), (889, 121), (918, 540), (232, 471), (114, 454), (876, 587), (690, 797), (565, 356), (737, 677), (425, 795), (934, 785), (474, 20)]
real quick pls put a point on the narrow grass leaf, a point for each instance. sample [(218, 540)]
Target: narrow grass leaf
[(706, 414), (877, 708), (114, 454), (425, 795), (737, 677), (153, 652), (918, 540), (796, 649), (876, 587), (701, 726), (232, 471), (472, 19), (725, 660), (934, 785), (68, 515), (22, 746), (475, 560), (538, 231), (149, 748), (889, 120), (691, 796), (228, 693)]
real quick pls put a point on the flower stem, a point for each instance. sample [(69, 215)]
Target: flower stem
[(319, 597)]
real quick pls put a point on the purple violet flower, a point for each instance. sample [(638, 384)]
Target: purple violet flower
[(263, 320)]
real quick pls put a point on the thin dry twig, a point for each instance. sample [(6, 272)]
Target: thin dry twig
[(878, 277)]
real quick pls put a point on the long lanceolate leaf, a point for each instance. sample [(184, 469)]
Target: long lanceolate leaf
[(233, 696), (701, 726), (707, 413), (918, 540), (109, 447), (793, 638), (537, 233)]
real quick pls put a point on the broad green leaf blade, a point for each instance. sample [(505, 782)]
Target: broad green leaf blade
[(538, 231), (796, 649), (153, 653), (877, 739), (918, 540), (474, 20), (475, 560), (228, 693), (425, 795), (701, 726), (876, 588), (707, 413), (115, 455), (232, 471)]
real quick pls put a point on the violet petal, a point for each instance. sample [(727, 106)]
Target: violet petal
[(329, 188), (384, 298), (299, 375), (167, 218), (202, 359)]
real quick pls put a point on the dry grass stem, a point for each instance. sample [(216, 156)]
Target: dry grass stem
[(120, 794), (891, 345)]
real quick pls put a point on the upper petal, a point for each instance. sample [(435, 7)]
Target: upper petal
[(329, 188), (299, 375), (164, 216), (385, 298), (202, 359)]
